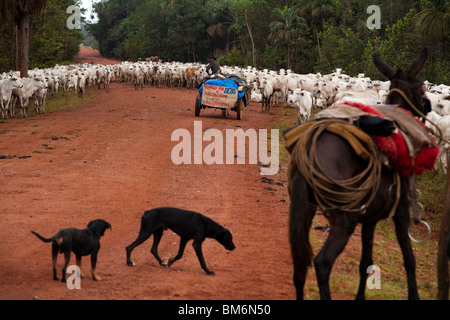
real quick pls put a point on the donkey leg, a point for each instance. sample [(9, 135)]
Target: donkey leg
[(300, 221), (402, 222), (324, 261), (301, 252), (367, 232)]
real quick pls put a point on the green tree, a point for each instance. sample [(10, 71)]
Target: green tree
[(341, 48), (21, 10), (50, 40), (187, 30), (244, 14), (434, 19), (286, 30)]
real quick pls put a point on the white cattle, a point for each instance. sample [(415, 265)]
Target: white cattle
[(91, 76), (176, 77), (439, 103), (277, 84), (82, 79), (24, 93), (40, 95), (102, 76), (51, 84), (444, 125), (255, 94), (302, 100), (6, 90), (138, 76), (200, 73), (266, 89), (250, 76), (369, 96), (292, 81), (329, 88), (72, 82), (160, 76)]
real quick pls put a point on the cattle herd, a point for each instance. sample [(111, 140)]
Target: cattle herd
[(284, 87)]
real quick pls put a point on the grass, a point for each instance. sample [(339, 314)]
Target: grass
[(287, 121), (60, 101), (344, 279)]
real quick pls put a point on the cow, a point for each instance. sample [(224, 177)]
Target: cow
[(6, 89), (302, 100)]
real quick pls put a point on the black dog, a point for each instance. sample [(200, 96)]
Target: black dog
[(188, 225), (81, 242)]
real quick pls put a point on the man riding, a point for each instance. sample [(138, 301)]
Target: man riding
[(213, 65)]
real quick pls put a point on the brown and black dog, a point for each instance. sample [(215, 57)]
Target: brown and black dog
[(188, 225), (81, 242)]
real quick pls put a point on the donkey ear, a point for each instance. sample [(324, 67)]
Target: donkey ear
[(418, 65), (383, 67)]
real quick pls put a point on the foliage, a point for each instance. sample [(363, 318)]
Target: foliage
[(51, 42), (339, 48), (303, 35)]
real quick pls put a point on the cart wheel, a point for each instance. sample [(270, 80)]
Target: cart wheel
[(197, 107), (239, 110)]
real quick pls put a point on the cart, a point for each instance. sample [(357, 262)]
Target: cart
[(225, 92)]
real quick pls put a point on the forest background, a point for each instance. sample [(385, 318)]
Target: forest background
[(304, 36)]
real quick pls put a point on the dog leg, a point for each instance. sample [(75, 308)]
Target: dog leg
[(55, 250), (183, 242), (143, 235), (198, 250), (66, 263), (93, 267), (154, 250), (79, 266)]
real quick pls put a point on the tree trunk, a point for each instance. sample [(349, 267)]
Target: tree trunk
[(249, 28), (288, 56), (16, 31), (442, 262), (24, 29), (318, 45)]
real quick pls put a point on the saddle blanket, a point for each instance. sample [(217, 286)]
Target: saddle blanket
[(410, 148)]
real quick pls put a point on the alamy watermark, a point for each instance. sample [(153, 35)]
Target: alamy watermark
[(374, 20), (74, 280), (374, 277), (74, 20), (190, 149)]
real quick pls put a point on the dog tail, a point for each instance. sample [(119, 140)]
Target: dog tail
[(42, 238)]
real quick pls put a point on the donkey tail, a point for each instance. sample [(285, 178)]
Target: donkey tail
[(299, 225)]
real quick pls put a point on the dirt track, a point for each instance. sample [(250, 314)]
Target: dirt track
[(111, 159)]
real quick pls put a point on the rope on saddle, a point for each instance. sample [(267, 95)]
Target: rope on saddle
[(438, 133), (331, 194)]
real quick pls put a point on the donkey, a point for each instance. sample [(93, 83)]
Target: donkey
[(339, 161)]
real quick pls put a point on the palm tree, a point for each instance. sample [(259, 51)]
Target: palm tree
[(218, 19), (435, 20), (285, 29), (317, 12), (245, 9), (21, 10)]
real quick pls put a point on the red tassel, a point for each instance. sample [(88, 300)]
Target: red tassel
[(396, 150)]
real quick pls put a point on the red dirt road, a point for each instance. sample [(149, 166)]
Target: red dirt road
[(111, 159)]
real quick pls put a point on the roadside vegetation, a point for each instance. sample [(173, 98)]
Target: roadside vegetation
[(344, 279)]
